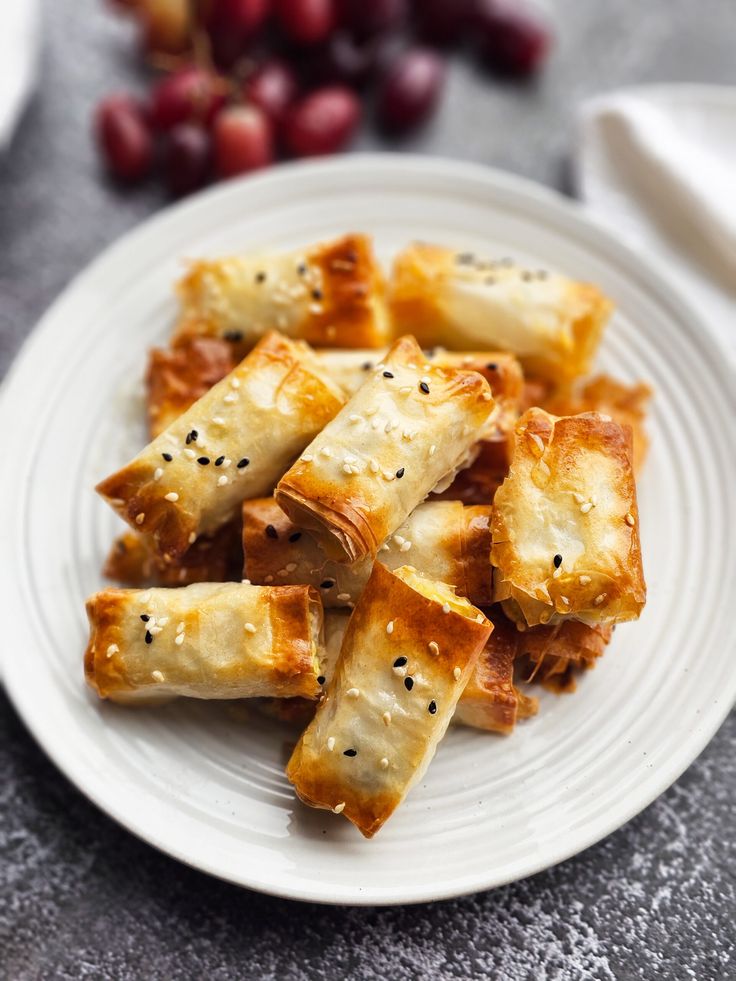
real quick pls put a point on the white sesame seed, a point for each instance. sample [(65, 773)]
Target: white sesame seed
[(154, 629), (585, 508), (384, 763), (584, 580), (246, 582), (339, 808), (456, 674), (343, 597), (630, 520), (354, 417), (537, 440), (140, 518), (230, 398), (388, 427), (375, 424), (399, 539), (434, 647), (171, 496), (400, 671), (593, 500), (291, 566), (157, 676), (192, 537), (371, 410), (221, 481), (346, 468), (180, 627), (350, 459), (331, 743), (486, 396), (189, 453), (353, 692), (234, 383), (182, 573), (179, 640), (579, 499), (326, 451), (389, 475), (112, 649), (307, 458), (390, 627), (405, 547), (218, 420), (249, 628), (432, 449), (162, 621), (374, 466), (565, 600), (386, 718), (599, 599), (557, 572), (445, 607), (480, 618), (158, 473), (425, 378)]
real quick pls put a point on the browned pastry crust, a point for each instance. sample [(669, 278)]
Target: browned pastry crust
[(409, 650)]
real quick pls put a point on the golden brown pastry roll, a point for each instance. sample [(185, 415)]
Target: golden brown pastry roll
[(208, 640), (409, 650), (565, 523), (554, 654), (177, 378), (133, 561), (442, 539), (328, 294), (478, 483), (410, 426), (552, 323), (234, 443)]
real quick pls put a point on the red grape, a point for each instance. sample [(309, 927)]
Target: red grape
[(514, 39), (411, 89), (272, 87), (367, 17), (306, 21), (243, 140), (322, 122), (341, 59), (232, 25), (186, 158), (442, 21), (188, 95), (123, 137)]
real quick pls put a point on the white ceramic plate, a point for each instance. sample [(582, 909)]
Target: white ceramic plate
[(204, 782)]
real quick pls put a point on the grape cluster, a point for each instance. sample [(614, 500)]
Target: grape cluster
[(247, 81)]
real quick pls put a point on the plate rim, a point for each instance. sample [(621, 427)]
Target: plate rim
[(710, 349)]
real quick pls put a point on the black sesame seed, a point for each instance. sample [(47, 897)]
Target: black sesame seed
[(203, 460), (424, 387), (492, 366), (387, 374), (295, 537), (260, 277), (219, 461), (301, 268), (149, 637), (192, 437), (243, 463), (432, 707), (168, 457), (233, 335), (408, 683), (145, 617), (271, 531), (400, 662), (557, 560), (367, 365), (316, 294), (400, 473), (321, 679), (350, 752), (327, 584)]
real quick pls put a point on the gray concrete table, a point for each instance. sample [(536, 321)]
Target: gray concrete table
[(80, 897)]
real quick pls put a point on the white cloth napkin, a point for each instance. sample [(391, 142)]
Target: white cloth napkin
[(20, 37), (658, 165)]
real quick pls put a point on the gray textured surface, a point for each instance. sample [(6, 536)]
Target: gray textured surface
[(79, 897)]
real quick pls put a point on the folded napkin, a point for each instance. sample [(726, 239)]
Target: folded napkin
[(658, 165)]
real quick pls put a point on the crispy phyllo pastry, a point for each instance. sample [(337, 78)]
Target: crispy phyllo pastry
[(132, 560), (565, 523), (409, 650), (478, 483), (409, 427), (552, 323), (234, 443), (627, 404), (330, 294), (209, 640), (554, 654), (443, 540), (491, 700), (176, 378)]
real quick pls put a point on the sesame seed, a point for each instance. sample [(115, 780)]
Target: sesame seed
[(168, 457), (432, 449), (233, 335), (343, 597), (346, 468), (219, 461), (155, 630), (171, 496), (486, 396), (179, 640), (307, 458), (191, 437), (492, 366), (157, 676), (400, 473), (387, 374), (432, 707), (291, 566), (327, 584), (373, 464), (180, 627), (565, 600), (230, 398), (557, 561), (145, 617), (630, 520), (405, 547), (149, 637), (424, 387), (249, 628), (321, 679), (218, 420), (192, 537), (434, 647), (243, 463), (331, 743), (372, 410), (399, 671), (445, 607), (480, 618), (383, 763), (584, 580), (387, 475), (354, 417), (316, 294), (585, 508), (350, 459), (295, 536), (271, 532), (234, 383), (599, 599), (301, 268), (386, 718), (400, 661), (203, 460), (366, 366), (405, 389), (350, 752), (390, 627), (221, 481), (140, 518), (389, 426), (408, 683), (326, 451), (190, 454), (339, 808), (353, 692), (579, 499), (158, 473), (260, 277), (557, 573), (457, 674), (112, 649)]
